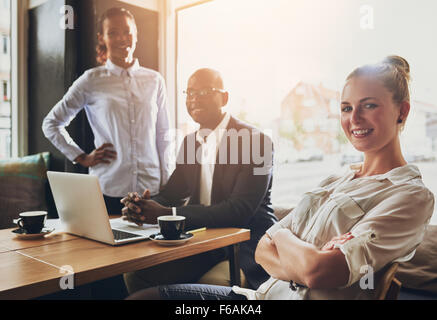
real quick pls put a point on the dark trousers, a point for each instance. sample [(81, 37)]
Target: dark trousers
[(186, 270), (192, 292), (113, 205)]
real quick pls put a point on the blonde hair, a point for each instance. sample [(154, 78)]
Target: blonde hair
[(394, 72)]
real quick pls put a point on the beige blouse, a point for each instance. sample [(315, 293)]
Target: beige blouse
[(387, 215)]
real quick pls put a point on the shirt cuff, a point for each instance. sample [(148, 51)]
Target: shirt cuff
[(354, 251), (248, 293), (272, 230), (73, 153)]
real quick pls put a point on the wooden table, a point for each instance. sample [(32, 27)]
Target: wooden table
[(9, 242), (4, 249), (33, 268)]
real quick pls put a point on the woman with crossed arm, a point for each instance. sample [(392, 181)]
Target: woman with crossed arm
[(362, 220)]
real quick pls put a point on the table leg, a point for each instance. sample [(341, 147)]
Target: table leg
[(234, 264)]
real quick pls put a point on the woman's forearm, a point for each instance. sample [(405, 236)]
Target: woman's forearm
[(305, 264), (266, 255), (297, 257)]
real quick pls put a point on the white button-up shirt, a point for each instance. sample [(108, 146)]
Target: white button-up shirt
[(209, 150), (125, 107), (387, 215)]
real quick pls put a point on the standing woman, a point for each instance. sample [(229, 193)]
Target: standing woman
[(126, 107)]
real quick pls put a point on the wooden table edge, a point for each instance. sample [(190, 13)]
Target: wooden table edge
[(49, 286), (88, 276)]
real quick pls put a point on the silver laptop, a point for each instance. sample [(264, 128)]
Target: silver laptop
[(82, 210)]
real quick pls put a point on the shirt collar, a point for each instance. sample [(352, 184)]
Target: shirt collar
[(218, 131), (397, 175), (118, 71)]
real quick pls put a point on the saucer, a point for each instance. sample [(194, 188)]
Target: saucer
[(21, 233), (159, 238)]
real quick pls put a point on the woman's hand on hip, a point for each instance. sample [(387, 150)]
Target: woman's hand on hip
[(103, 154)]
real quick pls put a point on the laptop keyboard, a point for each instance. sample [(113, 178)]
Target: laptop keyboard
[(121, 235)]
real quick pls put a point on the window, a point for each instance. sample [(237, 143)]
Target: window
[(5, 81), (6, 94), (284, 64), (5, 44)]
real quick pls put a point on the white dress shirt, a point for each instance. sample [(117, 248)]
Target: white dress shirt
[(208, 149), (387, 215), (125, 107)]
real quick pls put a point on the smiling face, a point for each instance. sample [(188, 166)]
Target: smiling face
[(120, 38), (369, 116), (206, 109)]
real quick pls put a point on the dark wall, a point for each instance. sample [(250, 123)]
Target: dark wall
[(46, 73)]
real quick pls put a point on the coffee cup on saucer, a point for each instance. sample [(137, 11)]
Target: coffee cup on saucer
[(171, 226), (32, 222)]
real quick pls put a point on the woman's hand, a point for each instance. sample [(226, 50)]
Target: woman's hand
[(264, 249), (337, 240), (104, 154), (266, 255)]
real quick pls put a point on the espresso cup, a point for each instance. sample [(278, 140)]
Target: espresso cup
[(171, 226), (32, 221)]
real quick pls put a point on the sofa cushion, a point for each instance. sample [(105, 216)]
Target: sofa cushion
[(219, 276), (421, 272), (22, 186)]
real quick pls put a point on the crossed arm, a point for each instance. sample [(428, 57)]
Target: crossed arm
[(287, 258), (284, 256)]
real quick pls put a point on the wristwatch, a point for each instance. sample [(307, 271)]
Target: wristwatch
[(294, 285)]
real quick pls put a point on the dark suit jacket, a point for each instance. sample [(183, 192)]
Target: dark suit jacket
[(240, 195)]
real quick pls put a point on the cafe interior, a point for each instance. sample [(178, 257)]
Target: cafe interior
[(283, 62)]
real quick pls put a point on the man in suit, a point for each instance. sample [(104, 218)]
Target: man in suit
[(224, 171)]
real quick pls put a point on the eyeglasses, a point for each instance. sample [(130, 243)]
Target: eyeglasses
[(191, 93)]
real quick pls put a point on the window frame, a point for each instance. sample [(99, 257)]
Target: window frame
[(184, 5), (19, 100), (168, 46), (5, 45), (6, 94)]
